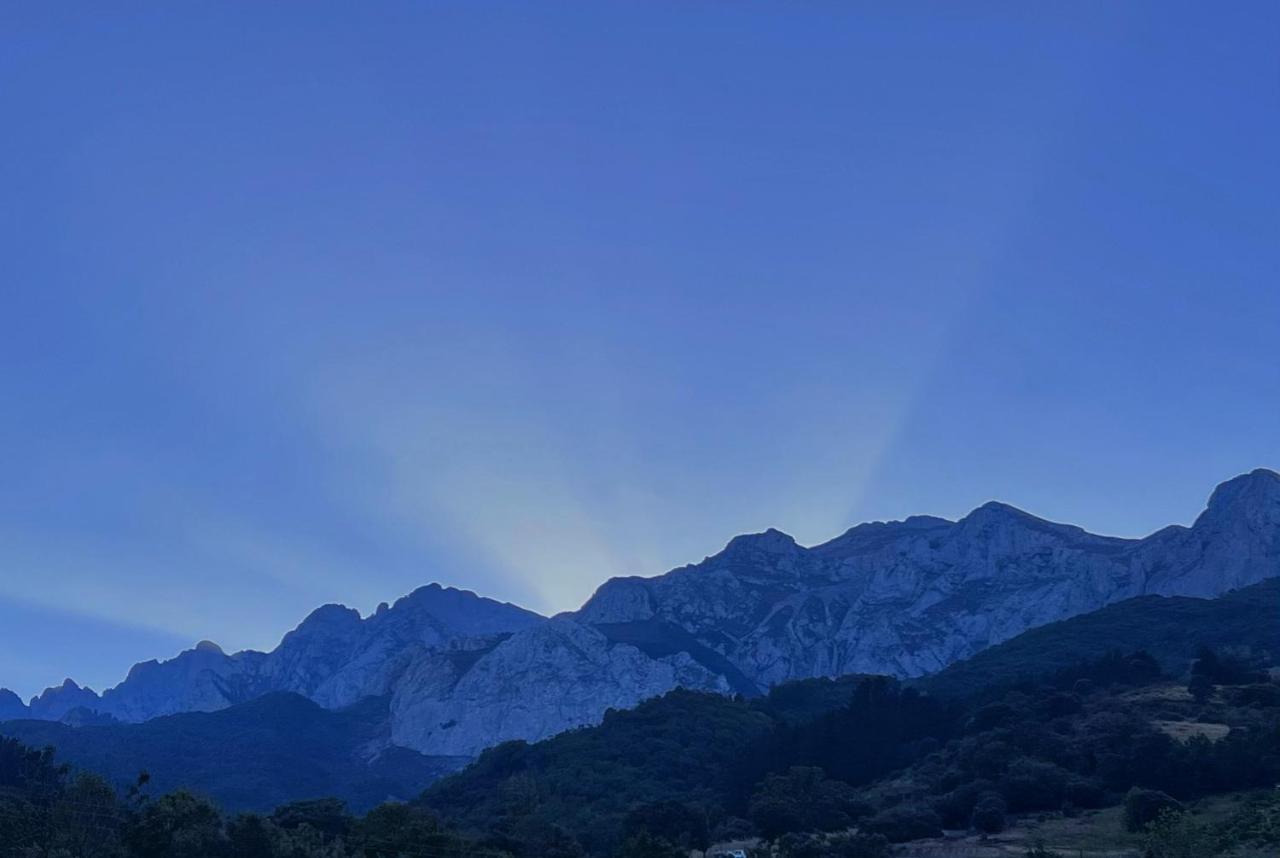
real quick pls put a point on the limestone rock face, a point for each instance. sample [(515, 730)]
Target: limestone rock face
[(903, 598), (910, 597), (334, 657), (539, 682), (53, 703)]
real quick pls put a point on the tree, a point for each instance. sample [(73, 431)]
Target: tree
[(796, 845), (905, 822), (177, 825), (646, 845), (392, 828), (1222, 669), (1030, 784), (1173, 834), (1200, 687), (531, 837), (305, 842), (673, 821), (87, 818), (989, 813), (1143, 806), (250, 836), (855, 845), (733, 828), (774, 816), (804, 799), (327, 815), (858, 846)]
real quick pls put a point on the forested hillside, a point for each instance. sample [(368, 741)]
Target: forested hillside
[(253, 756), (1169, 628)]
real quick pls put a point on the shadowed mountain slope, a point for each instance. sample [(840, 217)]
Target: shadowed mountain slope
[(278, 748)]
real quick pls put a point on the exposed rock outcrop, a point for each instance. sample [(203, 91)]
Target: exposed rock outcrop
[(904, 598)]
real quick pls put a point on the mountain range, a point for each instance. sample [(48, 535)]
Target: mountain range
[(907, 598)]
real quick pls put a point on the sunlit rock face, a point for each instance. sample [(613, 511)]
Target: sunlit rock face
[(903, 598)]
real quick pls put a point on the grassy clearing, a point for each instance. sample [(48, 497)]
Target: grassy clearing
[(1184, 730)]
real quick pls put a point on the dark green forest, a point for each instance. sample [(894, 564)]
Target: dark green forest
[(253, 756)]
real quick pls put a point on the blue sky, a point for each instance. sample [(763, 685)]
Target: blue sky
[(320, 302)]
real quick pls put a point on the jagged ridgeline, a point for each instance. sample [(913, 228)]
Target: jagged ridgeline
[(460, 673), (282, 747)]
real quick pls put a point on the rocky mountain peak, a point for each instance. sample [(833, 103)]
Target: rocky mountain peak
[(1254, 494), (330, 617), (770, 542), (999, 513), (453, 612), (11, 706), (52, 703)]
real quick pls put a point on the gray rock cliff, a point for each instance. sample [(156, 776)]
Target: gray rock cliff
[(903, 598)]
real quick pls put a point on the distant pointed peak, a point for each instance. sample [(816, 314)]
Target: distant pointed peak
[(436, 592), (1001, 507), (997, 511), (68, 686)]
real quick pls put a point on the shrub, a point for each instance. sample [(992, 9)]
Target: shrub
[(1177, 835), (1084, 793), (733, 828), (905, 822), (1059, 705), (672, 821), (833, 846), (800, 846), (858, 846), (1265, 695), (956, 807), (774, 817), (1200, 688), (1143, 806), (645, 845), (989, 717), (1030, 784), (804, 799)]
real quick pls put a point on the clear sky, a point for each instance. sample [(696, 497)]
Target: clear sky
[(320, 302)]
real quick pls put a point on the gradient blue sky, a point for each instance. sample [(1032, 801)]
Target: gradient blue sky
[(321, 302)]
